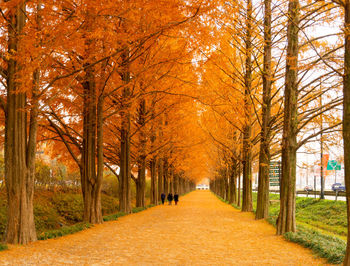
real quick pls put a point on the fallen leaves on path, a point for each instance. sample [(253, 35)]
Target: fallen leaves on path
[(201, 230)]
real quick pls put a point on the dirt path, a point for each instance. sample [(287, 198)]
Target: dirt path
[(200, 231)]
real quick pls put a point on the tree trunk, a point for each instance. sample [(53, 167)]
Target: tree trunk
[(247, 203), (141, 178), (125, 168), (97, 209), (160, 178), (262, 208), (153, 168), (176, 183), (181, 186), (19, 155), (141, 184), (92, 146), (226, 186), (233, 184), (346, 121), (171, 177), (165, 177), (239, 185), (223, 187), (286, 218)]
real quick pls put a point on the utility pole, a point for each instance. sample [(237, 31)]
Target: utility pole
[(321, 127)]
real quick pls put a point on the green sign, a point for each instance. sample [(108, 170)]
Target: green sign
[(275, 173), (333, 165)]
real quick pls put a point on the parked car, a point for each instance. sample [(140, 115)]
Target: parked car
[(342, 188), (338, 187), (308, 188)]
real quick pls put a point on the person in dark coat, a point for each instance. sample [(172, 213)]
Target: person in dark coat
[(162, 197), (176, 198), (170, 198)]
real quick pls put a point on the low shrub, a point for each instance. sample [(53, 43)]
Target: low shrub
[(138, 209), (3, 221), (46, 217), (109, 204), (69, 206), (66, 230), (113, 217), (325, 246), (3, 247)]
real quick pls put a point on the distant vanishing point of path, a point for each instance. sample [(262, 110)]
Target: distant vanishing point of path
[(201, 230)]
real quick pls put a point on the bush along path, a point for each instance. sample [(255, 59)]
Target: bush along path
[(200, 230), (321, 225)]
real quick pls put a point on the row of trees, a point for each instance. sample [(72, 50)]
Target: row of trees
[(275, 83), (172, 90), (99, 86)]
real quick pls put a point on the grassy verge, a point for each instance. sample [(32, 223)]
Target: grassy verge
[(3, 247), (113, 217), (66, 230), (325, 246), (227, 202), (320, 226), (60, 214)]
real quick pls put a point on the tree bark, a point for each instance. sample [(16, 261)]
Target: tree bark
[(176, 183), (160, 178), (262, 208), (247, 202), (346, 121), (239, 185), (165, 177), (172, 184), (92, 148), (141, 178), (226, 186), (233, 184), (125, 168), (19, 155), (154, 192), (286, 218), (141, 184)]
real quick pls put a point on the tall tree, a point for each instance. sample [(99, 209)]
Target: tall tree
[(247, 201), (20, 145), (286, 218), (125, 162), (262, 207)]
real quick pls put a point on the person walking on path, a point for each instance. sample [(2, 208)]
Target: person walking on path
[(170, 198), (162, 197), (176, 198)]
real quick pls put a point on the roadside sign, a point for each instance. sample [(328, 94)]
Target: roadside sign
[(333, 165), (275, 173)]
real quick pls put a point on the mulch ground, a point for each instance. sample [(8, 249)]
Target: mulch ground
[(201, 230)]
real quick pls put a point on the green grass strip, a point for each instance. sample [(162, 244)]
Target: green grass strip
[(66, 230), (329, 247), (113, 217), (3, 247)]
